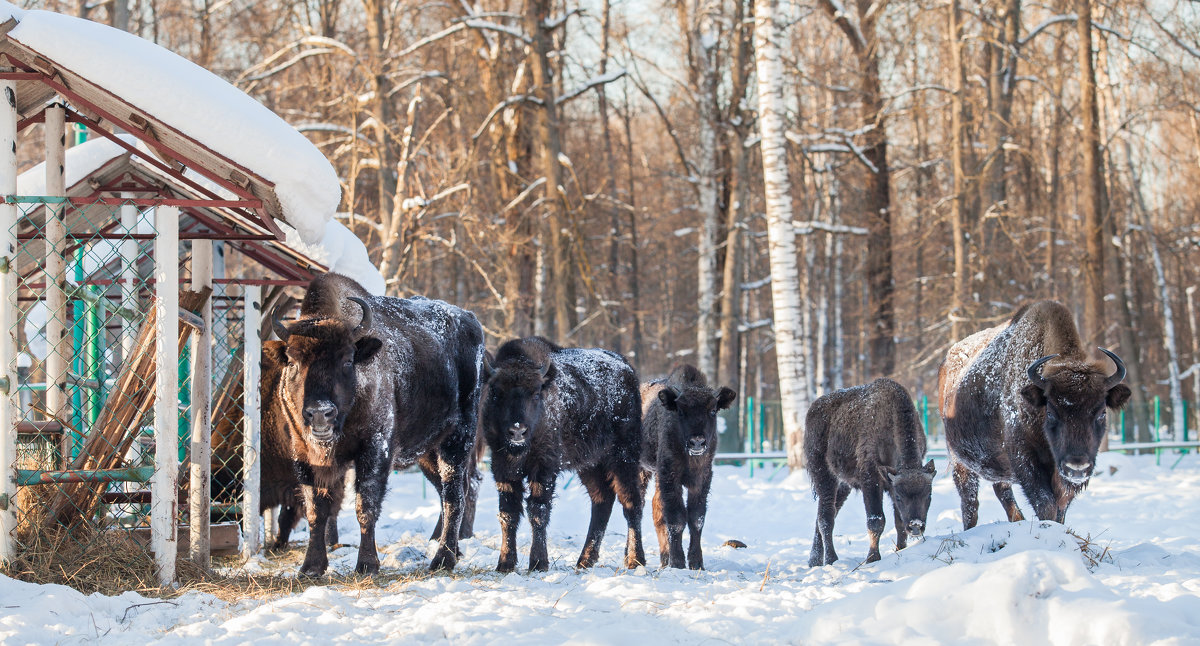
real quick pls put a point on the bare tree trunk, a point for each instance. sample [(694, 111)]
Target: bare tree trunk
[(881, 284), (546, 125), (962, 211), (614, 245), (781, 236), (1091, 195)]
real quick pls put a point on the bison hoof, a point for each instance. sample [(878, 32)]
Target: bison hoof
[(443, 560), (313, 570), (696, 565), (367, 568), (633, 562), (540, 565), (872, 557), (506, 566)]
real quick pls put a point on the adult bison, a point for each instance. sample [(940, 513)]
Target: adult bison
[(545, 409), (679, 429), (867, 438), (279, 486), (1023, 402), (396, 381)]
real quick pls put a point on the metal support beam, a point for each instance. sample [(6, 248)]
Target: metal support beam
[(163, 515), (201, 448), (251, 466), (9, 317)]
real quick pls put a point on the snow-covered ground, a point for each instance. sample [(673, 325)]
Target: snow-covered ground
[(1136, 582)]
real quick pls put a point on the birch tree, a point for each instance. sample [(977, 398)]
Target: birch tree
[(781, 236)]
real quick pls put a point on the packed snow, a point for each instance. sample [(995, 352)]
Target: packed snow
[(1137, 580), (193, 101)]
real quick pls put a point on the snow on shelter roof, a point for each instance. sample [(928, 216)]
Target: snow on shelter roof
[(176, 106), (338, 250)]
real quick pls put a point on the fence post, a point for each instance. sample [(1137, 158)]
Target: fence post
[(58, 344), (251, 467), (1157, 428), (163, 489), (201, 437), (9, 319)]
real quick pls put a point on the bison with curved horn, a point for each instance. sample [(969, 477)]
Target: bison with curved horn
[(1024, 403), (371, 381)]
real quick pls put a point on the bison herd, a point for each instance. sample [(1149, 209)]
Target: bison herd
[(374, 383)]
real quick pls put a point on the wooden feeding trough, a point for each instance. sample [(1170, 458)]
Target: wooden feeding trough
[(202, 192)]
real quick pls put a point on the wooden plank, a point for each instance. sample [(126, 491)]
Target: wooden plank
[(223, 539)]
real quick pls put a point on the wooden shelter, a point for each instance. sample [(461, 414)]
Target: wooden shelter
[(197, 194)]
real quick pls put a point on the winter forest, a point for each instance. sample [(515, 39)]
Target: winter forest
[(594, 172)]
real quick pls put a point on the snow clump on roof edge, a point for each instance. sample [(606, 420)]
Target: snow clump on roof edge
[(194, 101)]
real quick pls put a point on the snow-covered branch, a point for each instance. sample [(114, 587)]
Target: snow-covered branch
[(805, 228), (594, 82), (1052, 20), (550, 24), (845, 21), (510, 101)]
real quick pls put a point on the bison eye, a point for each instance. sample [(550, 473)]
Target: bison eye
[(712, 413), (349, 364)]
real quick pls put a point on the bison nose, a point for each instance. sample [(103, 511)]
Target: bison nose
[(916, 527), (1075, 468), (320, 414), (696, 445), (518, 433)]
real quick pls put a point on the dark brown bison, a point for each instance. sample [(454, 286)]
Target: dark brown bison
[(279, 485), (371, 381), (545, 409), (679, 442), (867, 438), (1023, 402)]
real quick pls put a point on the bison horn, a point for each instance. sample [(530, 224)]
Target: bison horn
[(281, 330), (1034, 371), (545, 369), (367, 318), (1117, 376)]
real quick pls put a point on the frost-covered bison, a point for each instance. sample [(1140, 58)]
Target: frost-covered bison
[(679, 442), (371, 381), (867, 438), (1023, 402), (545, 409)]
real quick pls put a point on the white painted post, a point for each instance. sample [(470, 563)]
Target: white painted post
[(163, 486), (9, 317), (252, 351), (58, 344), (129, 275), (201, 442)]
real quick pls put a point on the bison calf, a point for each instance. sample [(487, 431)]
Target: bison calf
[(867, 438), (679, 442), (545, 409)]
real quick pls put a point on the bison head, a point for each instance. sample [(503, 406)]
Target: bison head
[(1075, 396), (319, 379), (911, 490), (693, 425), (513, 402)]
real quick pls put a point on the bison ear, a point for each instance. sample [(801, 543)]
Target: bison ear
[(725, 397), (548, 375), (1034, 395), (274, 353), (365, 349), (1117, 396), (888, 472), (930, 469), (668, 396)]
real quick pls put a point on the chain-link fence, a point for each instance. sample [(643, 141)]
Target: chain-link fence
[(228, 402), (85, 338)]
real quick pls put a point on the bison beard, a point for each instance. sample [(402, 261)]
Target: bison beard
[(1023, 403), (400, 385)]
